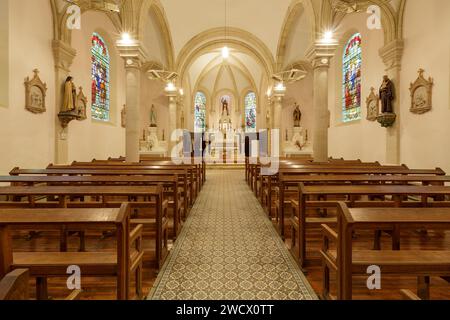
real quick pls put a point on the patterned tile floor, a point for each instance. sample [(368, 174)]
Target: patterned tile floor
[(229, 250)]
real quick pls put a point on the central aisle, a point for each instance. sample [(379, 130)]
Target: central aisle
[(228, 249)]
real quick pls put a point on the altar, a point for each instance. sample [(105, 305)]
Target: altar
[(299, 145), (151, 145)]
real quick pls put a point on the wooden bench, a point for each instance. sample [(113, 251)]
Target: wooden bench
[(15, 286), (320, 170), (184, 182), (126, 260), (400, 198), (289, 183), (348, 262), (140, 197), (193, 172), (169, 182)]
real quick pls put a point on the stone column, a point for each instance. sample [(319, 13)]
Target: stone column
[(277, 101), (133, 93), (320, 55), (392, 56), (63, 55), (172, 100), (133, 55)]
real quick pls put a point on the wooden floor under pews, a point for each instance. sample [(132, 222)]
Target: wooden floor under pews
[(396, 218), (328, 214), (104, 288)]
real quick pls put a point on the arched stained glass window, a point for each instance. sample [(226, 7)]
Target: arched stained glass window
[(200, 112), (100, 79), (250, 112), (352, 79)]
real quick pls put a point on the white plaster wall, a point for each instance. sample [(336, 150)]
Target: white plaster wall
[(90, 138), (361, 139), (4, 53), (27, 139), (425, 138)]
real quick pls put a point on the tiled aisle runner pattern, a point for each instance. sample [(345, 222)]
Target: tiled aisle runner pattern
[(229, 250)]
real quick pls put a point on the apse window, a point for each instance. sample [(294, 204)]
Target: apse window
[(100, 79), (250, 112), (200, 112), (352, 79)]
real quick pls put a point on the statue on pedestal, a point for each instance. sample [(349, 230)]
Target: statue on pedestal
[(70, 109), (297, 115), (70, 96), (153, 122), (387, 95)]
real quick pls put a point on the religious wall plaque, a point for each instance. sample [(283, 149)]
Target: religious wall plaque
[(373, 105), (421, 94), (35, 92)]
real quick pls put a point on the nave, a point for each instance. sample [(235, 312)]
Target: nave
[(229, 250), (229, 247)]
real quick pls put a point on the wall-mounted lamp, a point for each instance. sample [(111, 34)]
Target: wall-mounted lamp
[(170, 88), (327, 37), (126, 39), (280, 88)]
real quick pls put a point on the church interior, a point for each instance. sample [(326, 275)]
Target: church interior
[(224, 150)]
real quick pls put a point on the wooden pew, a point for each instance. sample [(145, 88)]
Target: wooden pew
[(186, 179), (348, 262), (255, 169), (197, 169), (126, 260), (299, 168), (147, 196), (299, 220), (15, 286), (321, 170), (169, 182), (287, 181), (181, 173)]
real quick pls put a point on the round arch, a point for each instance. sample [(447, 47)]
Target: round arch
[(213, 39), (158, 10)]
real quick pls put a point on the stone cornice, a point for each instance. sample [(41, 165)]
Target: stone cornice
[(392, 54), (133, 53), (63, 54), (320, 53)]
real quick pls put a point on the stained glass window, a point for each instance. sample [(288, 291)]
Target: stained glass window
[(100, 79), (352, 79), (250, 112), (200, 112)]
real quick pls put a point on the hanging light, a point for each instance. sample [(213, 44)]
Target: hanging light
[(225, 52), (225, 49)]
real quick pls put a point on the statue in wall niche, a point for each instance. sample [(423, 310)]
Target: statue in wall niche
[(70, 96), (387, 95), (297, 115), (153, 122), (225, 106)]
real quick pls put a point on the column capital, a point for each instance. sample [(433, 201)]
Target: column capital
[(392, 54), (132, 53), (63, 54), (320, 53)]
